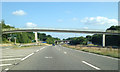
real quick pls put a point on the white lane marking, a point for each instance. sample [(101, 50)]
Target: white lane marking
[(6, 69), (42, 48), (37, 50), (12, 56), (48, 57), (27, 56), (10, 59), (30, 55), (91, 65), (5, 64), (65, 52), (97, 55), (7, 48)]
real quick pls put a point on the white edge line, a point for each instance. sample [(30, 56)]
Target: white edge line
[(48, 57), (5, 64), (27, 56), (10, 59), (6, 69), (94, 54), (42, 48), (91, 65), (97, 55)]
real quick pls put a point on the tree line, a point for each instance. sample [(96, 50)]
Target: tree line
[(25, 37), (28, 37), (111, 40)]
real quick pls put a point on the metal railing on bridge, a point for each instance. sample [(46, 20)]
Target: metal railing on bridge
[(60, 30)]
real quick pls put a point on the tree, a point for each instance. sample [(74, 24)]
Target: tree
[(114, 28), (77, 40), (89, 38), (50, 40), (97, 39)]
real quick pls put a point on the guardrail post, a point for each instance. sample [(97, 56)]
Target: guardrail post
[(103, 44)]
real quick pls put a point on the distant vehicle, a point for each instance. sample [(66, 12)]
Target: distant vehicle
[(44, 42), (53, 44)]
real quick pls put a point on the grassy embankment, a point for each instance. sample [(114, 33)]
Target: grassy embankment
[(101, 51), (23, 45), (30, 46)]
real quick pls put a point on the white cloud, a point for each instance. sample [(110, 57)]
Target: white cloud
[(74, 19), (19, 12), (85, 27), (60, 20), (30, 25), (99, 21), (8, 24)]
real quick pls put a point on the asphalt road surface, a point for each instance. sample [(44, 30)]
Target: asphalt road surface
[(62, 58)]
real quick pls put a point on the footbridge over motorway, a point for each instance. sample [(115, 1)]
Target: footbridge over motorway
[(15, 30)]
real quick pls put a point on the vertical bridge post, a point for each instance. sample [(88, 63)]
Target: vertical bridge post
[(36, 37), (103, 40)]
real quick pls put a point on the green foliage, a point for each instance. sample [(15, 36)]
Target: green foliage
[(42, 36), (97, 39), (111, 40), (77, 40), (114, 28), (25, 37), (50, 40), (5, 26), (89, 38)]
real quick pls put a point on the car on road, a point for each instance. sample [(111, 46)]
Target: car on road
[(53, 44)]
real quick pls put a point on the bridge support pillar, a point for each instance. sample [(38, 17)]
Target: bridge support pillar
[(36, 37), (103, 44)]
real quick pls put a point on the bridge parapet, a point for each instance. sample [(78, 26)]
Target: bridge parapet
[(14, 30), (8, 29), (113, 31)]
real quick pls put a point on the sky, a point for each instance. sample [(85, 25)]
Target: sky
[(61, 15)]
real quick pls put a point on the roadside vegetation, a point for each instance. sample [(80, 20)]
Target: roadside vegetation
[(79, 43), (26, 46), (97, 50), (25, 37), (112, 43), (96, 39)]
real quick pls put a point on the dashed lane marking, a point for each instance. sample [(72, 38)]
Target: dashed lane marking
[(30, 55), (4, 65), (65, 52), (10, 59), (6, 69), (27, 56), (91, 65), (37, 50), (48, 57)]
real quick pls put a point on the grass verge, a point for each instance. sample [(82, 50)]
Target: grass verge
[(101, 51)]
